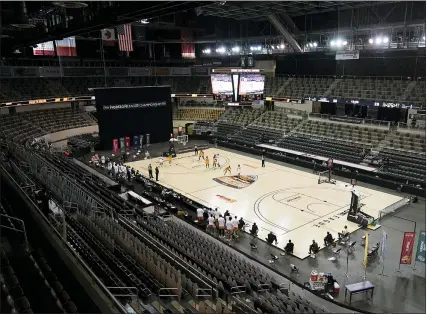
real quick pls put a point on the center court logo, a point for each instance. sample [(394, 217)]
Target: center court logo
[(236, 182)]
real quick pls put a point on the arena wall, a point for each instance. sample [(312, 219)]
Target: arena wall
[(64, 135), (306, 106)]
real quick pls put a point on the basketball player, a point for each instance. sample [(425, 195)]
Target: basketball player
[(221, 226), (229, 227), (217, 161), (207, 162), (263, 161), (235, 225), (161, 160), (202, 154), (150, 171), (228, 169), (214, 161), (211, 224), (170, 159), (196, 150), (238, 170), (200, 213)]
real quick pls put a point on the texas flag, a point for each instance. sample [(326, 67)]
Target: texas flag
[(66, 47), (44, 49)]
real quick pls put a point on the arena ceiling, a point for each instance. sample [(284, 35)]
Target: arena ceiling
[(26, 23), (258, 10)]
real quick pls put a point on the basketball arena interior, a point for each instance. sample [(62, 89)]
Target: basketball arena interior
[(213, 157)]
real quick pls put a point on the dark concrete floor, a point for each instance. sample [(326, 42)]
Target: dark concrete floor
[(394, 292)]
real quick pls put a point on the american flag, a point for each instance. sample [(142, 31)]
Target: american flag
[(124, 36)]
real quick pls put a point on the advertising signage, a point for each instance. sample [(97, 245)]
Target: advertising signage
[(364, 102)]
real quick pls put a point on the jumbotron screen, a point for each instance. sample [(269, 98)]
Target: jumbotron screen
[(251, 84), (222, 84)]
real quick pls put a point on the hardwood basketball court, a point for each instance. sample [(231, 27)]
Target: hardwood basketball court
[(286, 201)]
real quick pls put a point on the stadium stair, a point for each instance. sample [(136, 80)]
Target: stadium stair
[(408, 90), (331, 87), (279, 91)]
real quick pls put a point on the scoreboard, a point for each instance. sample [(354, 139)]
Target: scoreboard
[(235, 85)]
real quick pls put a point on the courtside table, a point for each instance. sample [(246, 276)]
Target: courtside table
[(360, 287)]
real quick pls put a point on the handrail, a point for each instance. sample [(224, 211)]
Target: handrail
[(22, 224), (235, 290), (135, 289), (204, 295), (265, 285), (283, 284), (167, 295), (165, 252), (64, 243)]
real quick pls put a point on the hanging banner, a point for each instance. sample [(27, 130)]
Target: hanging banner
[(383, 246), (135, 141), (421, 248), (407, 248), (347, 55), (115, 145), (188, 50), (127, 142), (365, 255), (147, 138), (141, 140), (122, 143)]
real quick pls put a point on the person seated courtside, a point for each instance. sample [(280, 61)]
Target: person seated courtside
[(254, 230), (271, 238), (328, 240), (289, 248), (314, 248), (344, 233)]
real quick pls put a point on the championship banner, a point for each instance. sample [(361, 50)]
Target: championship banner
[(421, 248), (365, 255), (127, 142), (135, 141), (141, 140), (115, 145), (122, 143), (407, 248)]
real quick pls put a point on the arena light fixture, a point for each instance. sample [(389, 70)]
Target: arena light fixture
[(282, 46), (378, 40), (71, 4), (333, 43), (371, 41), (221, 50), (235, 49), (207, 51), (424, 37), (311, 45), (344, 43), (385, 40), (314, 44), (144, 21)]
